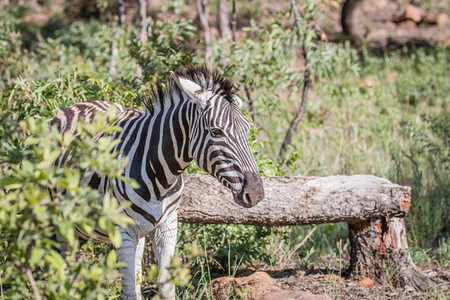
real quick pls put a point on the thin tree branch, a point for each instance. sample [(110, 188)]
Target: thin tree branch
[(305, 91), (299, 115), (30, 278), (202, 9), (302, 243), (34, 287)]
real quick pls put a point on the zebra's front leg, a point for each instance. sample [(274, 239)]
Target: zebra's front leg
[(138, 266), (127, 255), (164, 239)]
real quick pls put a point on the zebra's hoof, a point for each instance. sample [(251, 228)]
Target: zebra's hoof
[(167, 291)]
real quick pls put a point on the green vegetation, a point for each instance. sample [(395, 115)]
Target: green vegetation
[(383, 115)]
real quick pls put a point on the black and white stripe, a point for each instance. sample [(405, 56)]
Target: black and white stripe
[(196, 117)]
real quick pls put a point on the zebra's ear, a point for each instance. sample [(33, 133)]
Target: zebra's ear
[(237, 101), (193, 91)]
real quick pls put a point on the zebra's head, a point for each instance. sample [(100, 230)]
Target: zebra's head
[(219, 133)]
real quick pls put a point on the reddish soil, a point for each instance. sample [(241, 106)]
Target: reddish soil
[(322, 281)]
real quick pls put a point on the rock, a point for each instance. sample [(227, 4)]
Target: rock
[(251, 287), (436, 18), (407, 24), (256, 285), (222, 287), (335, 278), (413, 13), (293, 295), (366, 282)]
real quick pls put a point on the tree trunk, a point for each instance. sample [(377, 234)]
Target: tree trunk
[(203, 12), (296, 201), (115, 44), (224, 20), (143, 32), (379, 250), (352, 19), (233, 19)]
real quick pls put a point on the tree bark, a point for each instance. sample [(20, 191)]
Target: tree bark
[(296, 201), (379, 250), (224, 20)]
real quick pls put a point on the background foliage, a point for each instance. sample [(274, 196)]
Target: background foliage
[(383, 115)]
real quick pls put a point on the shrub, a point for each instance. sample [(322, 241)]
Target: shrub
[(30, 218)]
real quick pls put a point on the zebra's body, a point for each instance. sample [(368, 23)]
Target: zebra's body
[(197, 117)]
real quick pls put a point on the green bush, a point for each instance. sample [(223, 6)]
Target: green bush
[(32, 266)]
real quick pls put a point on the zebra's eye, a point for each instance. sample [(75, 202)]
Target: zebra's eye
[(217, 133)]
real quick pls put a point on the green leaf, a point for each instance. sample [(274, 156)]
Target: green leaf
[(111, 258), (66, 229), (10, 183), (114, 235)]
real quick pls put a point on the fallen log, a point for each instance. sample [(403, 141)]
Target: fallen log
[(372, 206), (296, 201)]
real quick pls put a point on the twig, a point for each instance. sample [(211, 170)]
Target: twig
[(202, 9), (30, 278), (34, 287), (302, 243), (305, 91)]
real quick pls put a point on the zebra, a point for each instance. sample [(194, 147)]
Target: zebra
[(196, 116)]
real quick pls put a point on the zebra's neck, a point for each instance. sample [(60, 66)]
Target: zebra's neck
[(157, 145)]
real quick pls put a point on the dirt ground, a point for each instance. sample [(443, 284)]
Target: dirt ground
[(320, 280)]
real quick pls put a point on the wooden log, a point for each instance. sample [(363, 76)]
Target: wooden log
[(372, 207), (296, 201)]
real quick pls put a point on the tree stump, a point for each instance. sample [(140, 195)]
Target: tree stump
[(379, 250)]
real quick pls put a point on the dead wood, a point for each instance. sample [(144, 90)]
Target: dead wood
[(296, 201)]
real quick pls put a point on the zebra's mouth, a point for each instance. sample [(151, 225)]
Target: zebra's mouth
[(251, 193)]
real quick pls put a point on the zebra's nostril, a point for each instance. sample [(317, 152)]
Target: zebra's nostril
[(247, 198)]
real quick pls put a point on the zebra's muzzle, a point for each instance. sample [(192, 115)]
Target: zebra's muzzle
[(252, 191)]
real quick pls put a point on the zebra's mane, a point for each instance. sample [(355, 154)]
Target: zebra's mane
[(209, 80)]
